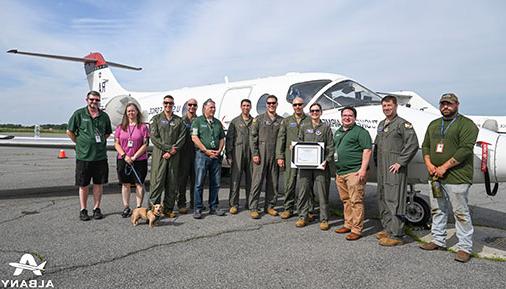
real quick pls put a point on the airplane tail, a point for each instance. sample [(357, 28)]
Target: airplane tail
[(100, 77)]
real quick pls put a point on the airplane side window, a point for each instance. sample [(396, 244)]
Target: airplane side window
[(261, 105), (347, 93), (305, 90)]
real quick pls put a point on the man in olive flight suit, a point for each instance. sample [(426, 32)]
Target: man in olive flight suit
[(167, 133), (395, 145), (263, 136), (239, 155), (288, 132), (187, 167)]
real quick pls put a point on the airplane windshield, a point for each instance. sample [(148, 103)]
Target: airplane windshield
[(347, 93), (305, 90)]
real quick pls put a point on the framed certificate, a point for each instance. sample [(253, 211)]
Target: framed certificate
[(308, 155)]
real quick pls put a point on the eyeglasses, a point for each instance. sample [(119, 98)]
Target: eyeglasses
[(271, 102), (168, 103), (314, 110), (192, 104), (297, 104), (94, 99)]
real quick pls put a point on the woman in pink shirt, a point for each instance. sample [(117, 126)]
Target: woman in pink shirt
[(131, 140)]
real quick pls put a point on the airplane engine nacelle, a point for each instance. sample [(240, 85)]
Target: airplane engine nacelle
[(115, 108)]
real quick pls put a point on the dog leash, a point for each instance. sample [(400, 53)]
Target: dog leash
[(128, 171)]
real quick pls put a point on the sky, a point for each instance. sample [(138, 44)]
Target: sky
[(429, 47)]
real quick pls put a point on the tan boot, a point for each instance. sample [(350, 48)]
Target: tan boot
[(170, 214), (382, 234), (254, 214), (233, 210), (324, 225), (300, 223), (272, 212), (389, 242), (286, 214)]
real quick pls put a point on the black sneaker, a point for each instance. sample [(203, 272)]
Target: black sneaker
[(83, 215), (126, 212), (217, 212), (197, 214), (97, 214)]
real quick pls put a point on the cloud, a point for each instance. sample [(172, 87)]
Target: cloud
[(430, 47)]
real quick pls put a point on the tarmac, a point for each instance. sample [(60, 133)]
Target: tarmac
[(39, 215)]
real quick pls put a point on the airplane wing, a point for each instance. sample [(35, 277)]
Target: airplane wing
[(43, 142)]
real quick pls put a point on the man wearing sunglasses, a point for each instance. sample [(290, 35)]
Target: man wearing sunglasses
[(167, 133), (187, 167), (264, 133), (89, 127), (288, 132)]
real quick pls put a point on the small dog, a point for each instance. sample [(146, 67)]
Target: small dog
[(145, 214)]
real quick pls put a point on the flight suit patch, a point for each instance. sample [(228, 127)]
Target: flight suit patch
[(408, 125), (293, 124), (164, 122), (318, 132), (309, 130)]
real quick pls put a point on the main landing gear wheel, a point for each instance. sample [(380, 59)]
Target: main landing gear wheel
[(417, 211)]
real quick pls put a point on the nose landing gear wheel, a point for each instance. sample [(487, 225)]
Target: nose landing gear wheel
[(417, 211)]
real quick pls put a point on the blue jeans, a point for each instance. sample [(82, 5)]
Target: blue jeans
[(206, 165), (456, 195)]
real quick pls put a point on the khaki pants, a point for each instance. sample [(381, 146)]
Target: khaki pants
[(351, 192)]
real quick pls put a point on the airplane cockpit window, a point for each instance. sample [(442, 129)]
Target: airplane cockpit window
[(305, 90), (261, 105), (347, 93)]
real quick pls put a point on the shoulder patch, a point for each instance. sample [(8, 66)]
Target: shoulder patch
[(408, 125)]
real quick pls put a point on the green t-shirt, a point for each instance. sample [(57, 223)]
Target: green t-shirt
[(350, 145), (458, 139), (87, 129), (209, 134)]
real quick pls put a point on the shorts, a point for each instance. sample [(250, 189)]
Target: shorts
[(87, 170), (126, 174)]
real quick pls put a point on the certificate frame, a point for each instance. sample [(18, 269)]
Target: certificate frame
[(308, 155)]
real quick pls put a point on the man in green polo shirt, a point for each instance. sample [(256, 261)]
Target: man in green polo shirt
[(353, 147), (89, 127), (209, 138), (448, 154)]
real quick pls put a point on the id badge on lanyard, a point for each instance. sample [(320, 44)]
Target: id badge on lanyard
[(440, 147), (130, 143), (98, 139)]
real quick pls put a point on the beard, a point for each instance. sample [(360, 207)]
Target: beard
[(448, 113)]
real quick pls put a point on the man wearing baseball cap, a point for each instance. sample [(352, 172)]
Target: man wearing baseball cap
[(448, 154)]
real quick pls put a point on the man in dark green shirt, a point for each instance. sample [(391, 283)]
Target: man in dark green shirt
[(89, 127), (353, 147), (209, 138), (448, 154)]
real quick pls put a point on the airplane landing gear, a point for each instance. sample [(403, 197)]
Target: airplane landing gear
[(418, 211)]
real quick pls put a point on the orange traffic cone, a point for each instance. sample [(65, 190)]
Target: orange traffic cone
[(62, 155)]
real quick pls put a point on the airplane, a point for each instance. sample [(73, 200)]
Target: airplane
[(36, 269), (331, 91)]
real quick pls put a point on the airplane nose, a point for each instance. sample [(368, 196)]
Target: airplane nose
[(500, 159)]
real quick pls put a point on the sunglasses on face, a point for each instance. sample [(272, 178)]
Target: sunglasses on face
[(297, 104), (314, 110), (94, 99), (271, 103), (168, 103), (192, 104)]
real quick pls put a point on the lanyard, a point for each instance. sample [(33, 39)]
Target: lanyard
[(443, 130), (130, 132)]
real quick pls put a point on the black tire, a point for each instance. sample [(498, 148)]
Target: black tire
[(418, 212)]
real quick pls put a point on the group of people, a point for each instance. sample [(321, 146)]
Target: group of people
[(187, 149)]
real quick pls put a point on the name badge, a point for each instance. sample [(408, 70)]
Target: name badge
[(439, 147), (97, 138), (130, 143)]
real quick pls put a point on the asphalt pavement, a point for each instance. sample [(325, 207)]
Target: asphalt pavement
[(216, 252)]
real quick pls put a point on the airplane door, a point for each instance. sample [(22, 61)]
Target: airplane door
[(230, 105)]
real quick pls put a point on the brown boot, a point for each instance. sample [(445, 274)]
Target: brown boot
[(324, 225), (382, 234), (462, 256), (343, 230), (233, 210), (254, 214), (183, 210), (311, 217), (300, 223), (170, 214), (389, 242), (353, 236), (286, 214), (430, 247), (272, 212)]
